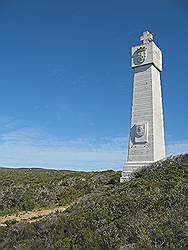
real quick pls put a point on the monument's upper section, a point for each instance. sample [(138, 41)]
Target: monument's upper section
[(147, 52)]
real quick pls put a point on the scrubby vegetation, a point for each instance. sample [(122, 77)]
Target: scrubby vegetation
[(28, 189), (149, 211)]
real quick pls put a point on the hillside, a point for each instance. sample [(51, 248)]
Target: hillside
[(148, 211), (29, 189)]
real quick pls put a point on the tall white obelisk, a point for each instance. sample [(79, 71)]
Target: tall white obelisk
[(146, 144)]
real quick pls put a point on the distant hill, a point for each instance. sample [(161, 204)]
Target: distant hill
[(148, 211), (29, 189)]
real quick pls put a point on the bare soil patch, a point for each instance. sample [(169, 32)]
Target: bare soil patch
[(30, 216)]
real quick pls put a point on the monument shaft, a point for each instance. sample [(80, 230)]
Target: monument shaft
[(146, 144)]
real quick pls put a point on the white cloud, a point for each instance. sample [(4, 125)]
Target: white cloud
[(28, 147), (177, 147)]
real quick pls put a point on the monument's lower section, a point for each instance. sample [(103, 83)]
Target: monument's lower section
[(131, 167)]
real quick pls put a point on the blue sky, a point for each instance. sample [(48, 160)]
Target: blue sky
[(66, 80)]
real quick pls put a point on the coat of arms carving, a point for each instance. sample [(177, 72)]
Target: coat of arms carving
[(139, 55)]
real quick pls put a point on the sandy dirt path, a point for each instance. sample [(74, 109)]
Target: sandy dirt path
[(30, 216)]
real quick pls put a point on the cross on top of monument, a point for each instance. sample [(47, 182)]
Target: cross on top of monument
[(146, 37)]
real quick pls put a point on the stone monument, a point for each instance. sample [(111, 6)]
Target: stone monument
[(146, 144)]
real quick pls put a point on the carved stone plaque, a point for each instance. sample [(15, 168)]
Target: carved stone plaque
[(139, 56), (139, 133)]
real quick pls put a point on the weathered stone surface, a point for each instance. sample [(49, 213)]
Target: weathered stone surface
[(146, 143)]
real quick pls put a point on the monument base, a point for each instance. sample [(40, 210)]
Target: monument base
[(130, 167)]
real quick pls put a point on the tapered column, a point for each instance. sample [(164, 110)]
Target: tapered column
[(146, 144)]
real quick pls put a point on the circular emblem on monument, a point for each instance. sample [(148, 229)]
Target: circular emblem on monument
[(140, 130), (140, 55)]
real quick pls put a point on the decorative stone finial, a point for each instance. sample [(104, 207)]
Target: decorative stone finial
[(146, 37)]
